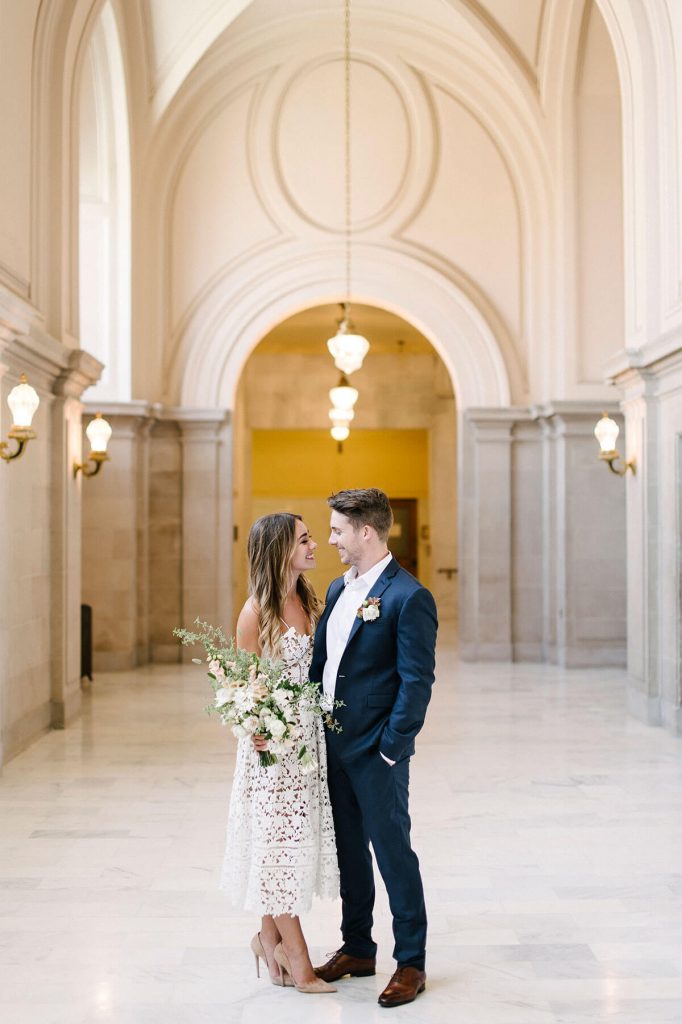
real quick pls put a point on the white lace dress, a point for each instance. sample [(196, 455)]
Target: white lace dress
[(280, 847)]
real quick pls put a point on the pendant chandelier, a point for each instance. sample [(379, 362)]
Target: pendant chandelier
[(347, 348)]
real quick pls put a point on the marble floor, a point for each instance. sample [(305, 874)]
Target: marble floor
[(547, 822)]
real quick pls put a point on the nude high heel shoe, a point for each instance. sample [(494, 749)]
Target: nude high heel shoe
[(312, 987), (260, 954)]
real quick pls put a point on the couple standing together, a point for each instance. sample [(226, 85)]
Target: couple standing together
[(291, 834)]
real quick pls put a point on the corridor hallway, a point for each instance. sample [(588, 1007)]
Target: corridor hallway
[(547, 823)]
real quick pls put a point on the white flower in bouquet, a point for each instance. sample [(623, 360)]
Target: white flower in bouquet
[(255, 695), (282, 699), (277, 728)]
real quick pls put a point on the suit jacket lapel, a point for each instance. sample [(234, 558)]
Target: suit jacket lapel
[(376, 591)]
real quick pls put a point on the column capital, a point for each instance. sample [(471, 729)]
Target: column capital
[(199, 425), (491, 425), (81, 372), (128, 419), (574, 419)]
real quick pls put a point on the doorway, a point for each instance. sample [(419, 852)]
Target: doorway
[(402, 539)]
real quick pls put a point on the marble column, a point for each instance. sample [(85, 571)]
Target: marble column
[(584, 542), (443, 509), (653, 415), (485, 535), (165, 537), (527, 524), (14, 319), (114, 569), (206, 518), (4, 572), (82, 372)]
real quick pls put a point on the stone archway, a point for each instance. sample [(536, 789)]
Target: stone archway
[(239, 311)]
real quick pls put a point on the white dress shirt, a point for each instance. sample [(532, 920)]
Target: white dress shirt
[(343, 614)]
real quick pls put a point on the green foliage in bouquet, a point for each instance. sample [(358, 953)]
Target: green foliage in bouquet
[(254, 695)]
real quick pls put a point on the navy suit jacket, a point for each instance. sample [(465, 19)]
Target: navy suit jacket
[(386, 671)]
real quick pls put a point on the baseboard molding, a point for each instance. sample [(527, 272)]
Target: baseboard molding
[(64, 711), (528, 652), (584, 656), (486, 652), (641, 706), (21, 733), (113, 661), (671, 717), (166, 654)]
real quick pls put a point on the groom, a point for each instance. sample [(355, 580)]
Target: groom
[(374, 649)]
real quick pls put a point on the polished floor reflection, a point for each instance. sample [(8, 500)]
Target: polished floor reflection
[(547, 822)]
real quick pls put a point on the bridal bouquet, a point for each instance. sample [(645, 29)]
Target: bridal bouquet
[(254, 696)]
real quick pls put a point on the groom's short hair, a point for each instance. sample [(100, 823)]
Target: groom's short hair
[(366, 506)]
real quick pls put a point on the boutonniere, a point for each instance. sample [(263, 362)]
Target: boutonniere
[(370, 609)]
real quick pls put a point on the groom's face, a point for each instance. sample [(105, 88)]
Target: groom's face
[(346, 540)]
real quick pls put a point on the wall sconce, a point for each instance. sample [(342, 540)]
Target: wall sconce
[(98, 433), (606, 432), (23, 401)]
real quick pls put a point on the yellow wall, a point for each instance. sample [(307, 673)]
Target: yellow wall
[(296, 470)]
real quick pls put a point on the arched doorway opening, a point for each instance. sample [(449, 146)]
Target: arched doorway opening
[(403, 439)]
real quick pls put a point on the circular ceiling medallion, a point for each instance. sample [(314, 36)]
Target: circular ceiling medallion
[(309, 144)]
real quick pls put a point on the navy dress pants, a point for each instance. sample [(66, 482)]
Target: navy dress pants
[(370, 805)]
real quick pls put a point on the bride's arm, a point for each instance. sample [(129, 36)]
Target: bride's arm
[(247, 639)]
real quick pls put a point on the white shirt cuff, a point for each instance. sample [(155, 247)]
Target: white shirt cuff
[(387, 759)]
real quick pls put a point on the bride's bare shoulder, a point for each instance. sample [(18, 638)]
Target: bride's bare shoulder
[(247, 626)]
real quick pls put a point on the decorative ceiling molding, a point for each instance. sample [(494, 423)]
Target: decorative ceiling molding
[(168, 72)]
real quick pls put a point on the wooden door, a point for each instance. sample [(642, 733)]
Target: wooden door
[(402, 540)]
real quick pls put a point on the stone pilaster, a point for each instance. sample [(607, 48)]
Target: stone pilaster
[(651, 384), (527, 525), (4, 570), (584, 542), (485, 535), (206, 517), (442, 501), (114, 571), (82, 371)]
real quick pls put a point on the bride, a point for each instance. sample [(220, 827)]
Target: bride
[(280, 835)]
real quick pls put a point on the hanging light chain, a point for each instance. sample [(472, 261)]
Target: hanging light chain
[(347, 154)]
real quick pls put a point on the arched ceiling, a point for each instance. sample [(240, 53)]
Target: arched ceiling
[(177, 34), (306, 332)]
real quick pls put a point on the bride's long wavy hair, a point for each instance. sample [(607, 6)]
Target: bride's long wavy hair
[(270, 548)]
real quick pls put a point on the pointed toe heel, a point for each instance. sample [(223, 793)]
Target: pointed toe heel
[(259, 954), (309, 987)]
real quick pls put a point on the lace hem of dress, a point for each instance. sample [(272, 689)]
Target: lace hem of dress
[(281, 891)]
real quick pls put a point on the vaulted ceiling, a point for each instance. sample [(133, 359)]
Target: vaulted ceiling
[(177, 34)]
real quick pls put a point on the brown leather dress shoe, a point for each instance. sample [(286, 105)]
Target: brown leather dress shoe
[(404, 987), (341, 964)]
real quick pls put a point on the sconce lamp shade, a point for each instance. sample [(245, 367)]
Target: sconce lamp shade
[(340, 433), (98, 433), (23, 401), (343, 396), (347, 350), (606, 432)]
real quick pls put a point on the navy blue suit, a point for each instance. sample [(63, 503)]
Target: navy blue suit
[(385, 677)]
